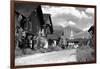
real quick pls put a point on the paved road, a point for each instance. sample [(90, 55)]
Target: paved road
[(50, 57)]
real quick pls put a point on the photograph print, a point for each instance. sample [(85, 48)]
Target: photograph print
[(51, 34)]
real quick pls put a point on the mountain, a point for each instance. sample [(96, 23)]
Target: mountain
[(84, 34), (71, 30), (58, 30), (58, 27)]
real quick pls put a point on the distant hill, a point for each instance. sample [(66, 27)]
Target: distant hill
[(77, 32), (58, 28), (84, 34), (70, 28)]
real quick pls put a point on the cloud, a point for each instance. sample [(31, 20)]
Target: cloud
[(64, 23), (64, 19), (90, 10), (83, 15), (63, 10), (60, 22), (65, 16), (85, 29), (71, 23)]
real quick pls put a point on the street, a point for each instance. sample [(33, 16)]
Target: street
[(49, 57)]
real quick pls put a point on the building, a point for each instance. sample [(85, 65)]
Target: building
[(91, 30), (48, 24), (33, 22)]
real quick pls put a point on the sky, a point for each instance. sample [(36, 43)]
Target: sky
[(82, 18)]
